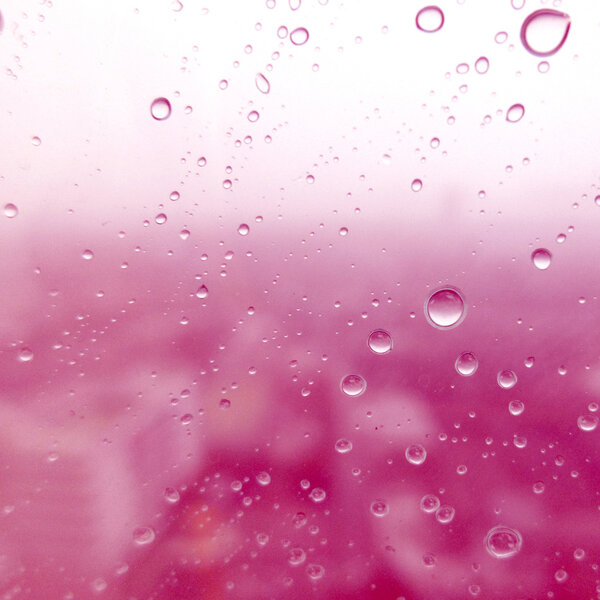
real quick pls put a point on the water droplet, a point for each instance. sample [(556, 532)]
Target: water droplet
[(445, 308), (36, 141), (243, 229), (482, 64), (507, 379), (87, 255), (587, 422), (416, 185), (172, 495), (561, 238), (379, 508), (415, 454), (343, 231), (579, 554), (353, 385), (517, 4), (294, 4), (282, 32), (296, 556), (519, 441), (236, 485), (224, 404), (444, 514), (543, 66), (315, 572), (561, 576), (516, 407), (461, 469), (503, 542), (343, 446), (262, 83), (299, 36), (466, 364), (430, 19), (541, 258), (429, 559), (317, 495), (299, 520), (539, 487), (501, 37), (434, 142), (263, 478), (515, 113), (223, 84), (253, 116), (25, 355), (202, 292), (305, 484), (174, 196), (529, 361), (160, 109), (262, 539), (429, 503), (160, 219), (143, 536), (184, 234), (544, 31), (11, 210), (380, 341)]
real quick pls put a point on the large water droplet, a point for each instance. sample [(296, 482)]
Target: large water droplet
[(296, 556), (343, 446), (415, 454), (171, 495), (541, 258), (317, 495), (503, 542), (160, 109), (507, 379), (380, 508), (516, 407), (299, 36), (482, 64), (353, 385), (515, 113), (429, 503), (143, 536), (25, 355), (466, 364), (263, 478), (544, 31), (315, 572), (11, 210), (444, 514), (243, 229), (587, 422), (380, 341), (430, 19), (262, 83), (445, 308), (202, 292)]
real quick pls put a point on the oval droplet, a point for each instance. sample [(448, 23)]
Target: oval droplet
[(466, 364), (507, 379), (416, 185), (515, 113), (445, 308), (444, 514), (380, 341), (253, 116), (315, 572), (415, 454), (160, 109), (317, 495), (503, 542), (25, 355), (482, 64), (587, 422), (429, 503), (544, 31), (296, 556), (299, 36), (380, 508), (143, 536), (516, 407), (353, 385), (430, 19), (541, 258), (294, 4), (160, 219), (343, 446), (263, 478), (262, 83), (172, 495), (243, 229), (11, 210)]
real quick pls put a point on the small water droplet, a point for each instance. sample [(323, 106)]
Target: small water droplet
[(429, 559), (380, 341), (541, 258), (294, 4), (201, 162), (184, 234), (503, 542), (253, 116), (171, 495), (444, 514), (11, 210), (343, 231), (160, 219), (36, 141), (186, 419), (202, 292), (263, 478), (174, 196), (224, 404), (343, 446), (160, 109), (415, 454), (143, 536), (579, 554), (539, 487), (353, 385), (299, 520), (561, 576), (380, 508), (587, 422), (416, 185), (262, 83), (515, 113), (544, 31), (299, 36), (529, 361), (507, 379), (445, 308), (434, 142), (516, 407), (543, 66), (317, 495), (223, 84), (243, 229), (482, 64), (430, 19), (87, 254), (296, 556), (466, 364), (25, 355), (429, 503), (315, 572)]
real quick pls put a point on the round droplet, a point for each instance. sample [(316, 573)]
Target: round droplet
[(172, 495), (380, 341), (263, 478), (299, 36), (507, 379), (529, 361), (541, 258), (202, 292), (174, 196), (262, 83), (539, 487), (296, 556), (587, 422), (503, 542), (87, 255), (317, 495), (444, 514), (299, 520), (579, 554), (243, 229), (160, 219), (160, 109), (315, 572), (224, 404), (482, 64), (282, 32), (544, 31), (461, 469), (36, 141), (262, 539), (11, 210), (184, 234), (343, 231), (415, 454), (430, 19), (143, 536), (380, 508), (429, 559), (343, 446), (353, 385), (515, 113), (445, 308), (25, 355), (561, 576), (294, 4), (543, 66), (429, 503), (466, 364), (253, 116), (516, 407), (416, 185)]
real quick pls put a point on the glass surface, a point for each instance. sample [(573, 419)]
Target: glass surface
[(299, 299)]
